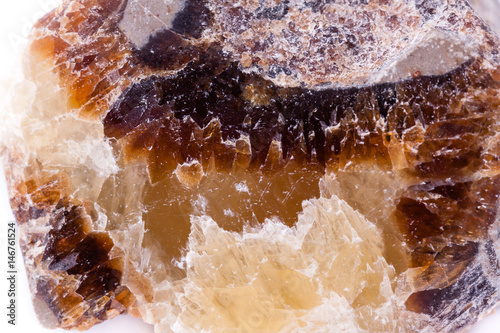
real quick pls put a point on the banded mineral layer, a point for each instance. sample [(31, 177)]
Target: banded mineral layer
[(259, 165)]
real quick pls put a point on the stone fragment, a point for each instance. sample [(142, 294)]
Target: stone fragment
[(259, 166)]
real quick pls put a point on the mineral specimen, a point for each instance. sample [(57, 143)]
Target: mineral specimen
[(260, 165)]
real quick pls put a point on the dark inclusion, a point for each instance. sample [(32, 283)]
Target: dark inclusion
[(427, 8), (192, 19), (275, 70), (72, 247), (273, 13), (166, 49), (212, 85), (473, 289), (171, 49)]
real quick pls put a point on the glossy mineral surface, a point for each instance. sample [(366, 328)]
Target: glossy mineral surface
[(259, 166)]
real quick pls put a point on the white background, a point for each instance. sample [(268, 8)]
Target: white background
[(16, 18)]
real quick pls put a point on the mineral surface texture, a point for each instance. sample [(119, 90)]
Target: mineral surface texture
[(259, 165)]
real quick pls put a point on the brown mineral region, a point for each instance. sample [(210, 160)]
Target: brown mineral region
[(259, 165)]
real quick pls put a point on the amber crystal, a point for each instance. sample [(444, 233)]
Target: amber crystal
[(259, 165)]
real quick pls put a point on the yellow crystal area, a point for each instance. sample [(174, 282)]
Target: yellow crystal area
[(326, 271)]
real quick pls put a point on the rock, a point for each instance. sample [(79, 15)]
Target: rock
[(263, 166)]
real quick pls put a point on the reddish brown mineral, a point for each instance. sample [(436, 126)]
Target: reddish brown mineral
[(260, 165)]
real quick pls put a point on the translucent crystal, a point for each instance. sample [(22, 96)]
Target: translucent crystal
[(260, 166)]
